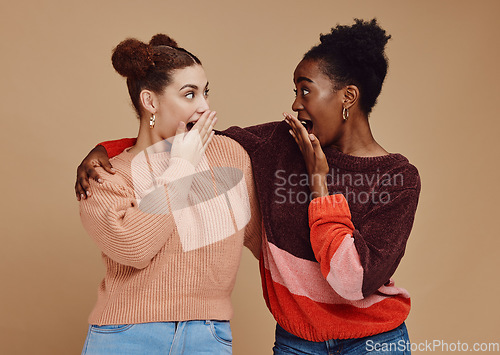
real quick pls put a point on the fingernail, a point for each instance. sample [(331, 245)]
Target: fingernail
[(100, 180), (82, 196), (311, 137), (88, 193)]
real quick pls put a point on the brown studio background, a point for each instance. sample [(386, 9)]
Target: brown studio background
[(60, 96)]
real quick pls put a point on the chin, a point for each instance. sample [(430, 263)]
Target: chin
[(318, 137), (324, 142)]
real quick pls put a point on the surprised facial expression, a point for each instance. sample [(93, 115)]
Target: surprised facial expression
[(184, 99), (318, 105)]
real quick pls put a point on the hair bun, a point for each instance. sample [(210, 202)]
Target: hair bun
[(374, 36), (161, 39), (132, 58), (363, 42)]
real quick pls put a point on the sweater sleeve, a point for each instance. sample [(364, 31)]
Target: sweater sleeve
[(357, 261), (253, 230), (115, 147), (126, 232)]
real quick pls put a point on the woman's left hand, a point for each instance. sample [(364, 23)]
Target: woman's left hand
[(309, 145)]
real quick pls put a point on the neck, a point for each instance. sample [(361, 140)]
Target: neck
[(146, 137), (357, 138)]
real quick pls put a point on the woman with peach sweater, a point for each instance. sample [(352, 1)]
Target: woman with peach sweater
[(173, 218)]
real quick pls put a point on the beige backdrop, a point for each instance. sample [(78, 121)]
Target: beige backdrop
[(60, 96)]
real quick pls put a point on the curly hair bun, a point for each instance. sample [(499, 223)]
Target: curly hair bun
[(376, 38), (132, 58), (163, 40), (362, 41)]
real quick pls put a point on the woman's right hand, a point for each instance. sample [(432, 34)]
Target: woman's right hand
[(191, 145), (314, 157), (86, 170)]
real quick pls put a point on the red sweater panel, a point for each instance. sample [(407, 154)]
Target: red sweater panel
[(304, 303)]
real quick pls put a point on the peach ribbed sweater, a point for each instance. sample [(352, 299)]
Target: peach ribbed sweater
[(171, 249)]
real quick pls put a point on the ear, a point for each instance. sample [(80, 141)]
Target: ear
[(351, 95), (149, 101)]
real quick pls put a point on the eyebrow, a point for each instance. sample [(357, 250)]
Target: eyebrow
[(192, 86), (303, 78)]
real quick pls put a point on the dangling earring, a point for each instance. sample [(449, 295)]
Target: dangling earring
[(152, 121), (345, 113)]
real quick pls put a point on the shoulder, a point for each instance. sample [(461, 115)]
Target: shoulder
[(251, 138), (228, 150), (262, 130), (403, 174), (122, 178), (225, 141), (229, 158)]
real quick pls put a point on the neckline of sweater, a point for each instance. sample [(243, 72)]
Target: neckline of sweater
[(351, 162)]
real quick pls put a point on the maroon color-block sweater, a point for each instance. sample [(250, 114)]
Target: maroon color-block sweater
[(326, 264)]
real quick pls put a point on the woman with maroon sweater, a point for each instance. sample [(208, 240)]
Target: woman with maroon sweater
[(335, 223)]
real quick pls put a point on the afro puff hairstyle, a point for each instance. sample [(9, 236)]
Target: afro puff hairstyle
[(354, 55)]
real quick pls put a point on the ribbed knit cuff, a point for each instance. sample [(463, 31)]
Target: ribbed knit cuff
[(328, 207), (178, 168)]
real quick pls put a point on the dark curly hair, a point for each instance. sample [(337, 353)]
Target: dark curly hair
[(149, 65), (354, 55)]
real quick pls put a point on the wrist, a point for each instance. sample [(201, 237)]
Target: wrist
[(318, 185)]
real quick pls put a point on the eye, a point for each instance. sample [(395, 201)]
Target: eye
[(206, 92), (303, 92), (189, 95)]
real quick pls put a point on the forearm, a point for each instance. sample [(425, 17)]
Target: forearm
[(358, 261), (333, 245)]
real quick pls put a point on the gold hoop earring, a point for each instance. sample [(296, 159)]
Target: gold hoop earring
[(152, 121), (345, 113)]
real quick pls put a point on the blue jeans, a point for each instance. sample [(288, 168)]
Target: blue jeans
[(190, 337), (395, 341)]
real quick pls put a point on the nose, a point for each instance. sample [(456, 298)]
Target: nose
[(297, 105), (203, 105)]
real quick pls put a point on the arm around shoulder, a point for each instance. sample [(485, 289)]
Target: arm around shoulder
[(122, 231)]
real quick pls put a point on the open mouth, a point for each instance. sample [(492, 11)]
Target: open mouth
[(190, 125), (308, 125)]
